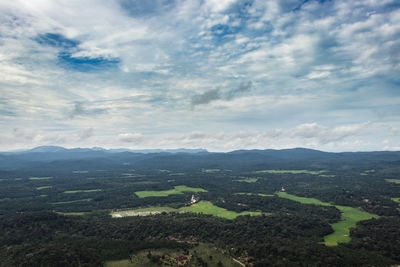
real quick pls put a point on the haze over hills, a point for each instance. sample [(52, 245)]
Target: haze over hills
[(55, 157)]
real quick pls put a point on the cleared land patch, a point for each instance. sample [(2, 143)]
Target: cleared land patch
[(44, 187), (290, 172), (247, 180), (396, 199), (72, 201), (396, 181), (82, 191), (349, 218), (177, 190), (204, 207), (207, 207), (256, 194), (142, 212), (80, 172), (210, 170), (72, 213), (39, 178), (209, 255)]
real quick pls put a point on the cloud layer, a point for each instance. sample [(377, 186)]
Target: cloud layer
[(154, 73)]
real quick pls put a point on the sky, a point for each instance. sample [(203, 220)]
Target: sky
[(215, 74)]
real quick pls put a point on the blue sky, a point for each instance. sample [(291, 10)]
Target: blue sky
[(215, 74)]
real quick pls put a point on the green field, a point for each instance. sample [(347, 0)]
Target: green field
[(210, 255), (82, 191), (44, 187), (206, 207), (290, 172), (177, 174), (303, 200), (210, 170), (142, 212), (247, 180), (80, 172), (396, 199), (72, 201), (256, 194), (396, 181), (177, 190), (39, 178), (72, 213), (349, 218), (146, 182)]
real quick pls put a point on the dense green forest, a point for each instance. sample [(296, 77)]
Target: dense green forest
[(55, 207)]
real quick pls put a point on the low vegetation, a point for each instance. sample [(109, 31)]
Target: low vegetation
[(206, 207), (349, 218), (290, 172), (247, 179), (82, 191), (180, 189)]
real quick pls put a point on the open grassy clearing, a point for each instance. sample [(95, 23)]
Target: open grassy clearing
[(256, 194), (72, 201), (303, 200), (142, 212), (44, 187), (210, 170), (204, 207), (146, 182), (290, 172), (180, 189), (72, 213), (349, 218), (396, 181), (396, 199), (80, 171), (82, 191), (177, 174), (207, 207), (247, 180), (39, 178), (208, 254)]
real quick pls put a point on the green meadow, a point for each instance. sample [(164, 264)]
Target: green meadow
[(256, 194), (206, 207), (39, 178), (210, 170), (177, 190), (396, 199), (44, 187), (72, 201), (80, 172), (82, 191), (349, 218), (72, 213), (290, 172), (142, 211), (247, 180), (396, 181)]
